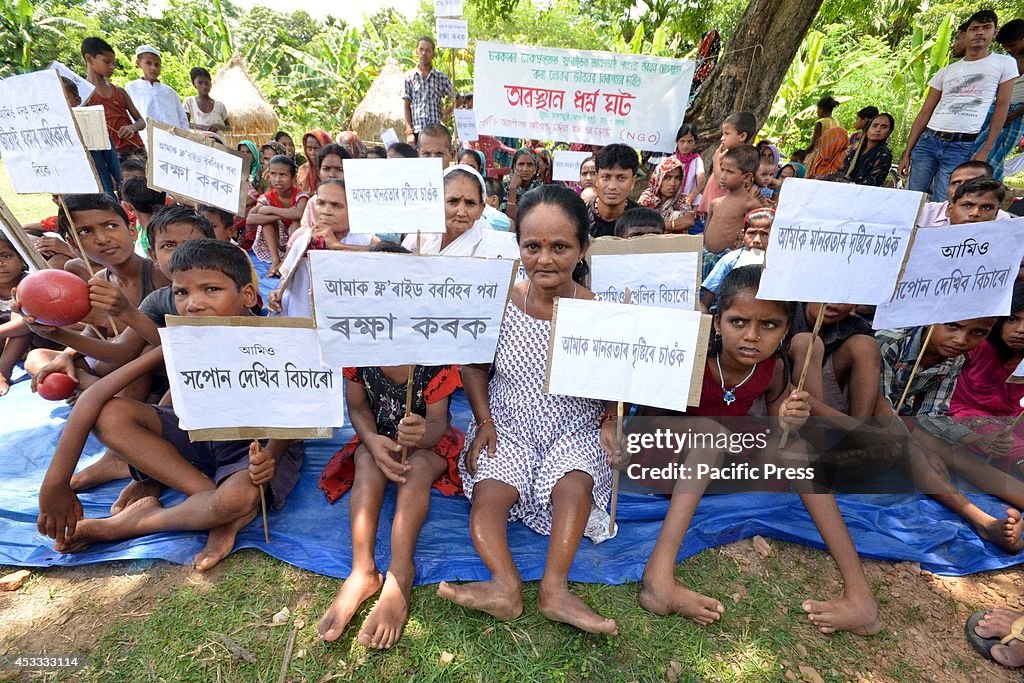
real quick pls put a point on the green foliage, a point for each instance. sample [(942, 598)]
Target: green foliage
[(23, 27)]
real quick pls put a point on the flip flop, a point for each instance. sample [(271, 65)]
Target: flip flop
[(982, 645)]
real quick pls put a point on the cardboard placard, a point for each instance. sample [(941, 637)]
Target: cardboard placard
[(659, 270), (403, 195), (22, 241), (195, 167), (567, 165), (452, 33)]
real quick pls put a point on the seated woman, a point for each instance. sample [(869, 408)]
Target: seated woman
[(983, 400), (869, 162), (665, 195), (535, 457)]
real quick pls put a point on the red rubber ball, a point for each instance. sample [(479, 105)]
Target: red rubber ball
[(54, 297), (56, 387)]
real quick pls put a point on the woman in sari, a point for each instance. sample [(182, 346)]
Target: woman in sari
[(831, 150), (309, 176), (665, 195), (870, 161)]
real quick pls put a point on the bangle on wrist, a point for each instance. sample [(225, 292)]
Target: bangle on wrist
[(483, 422)]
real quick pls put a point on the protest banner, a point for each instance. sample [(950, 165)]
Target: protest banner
[(389, 137), (658, 270), (453, 33), (465, 125), (1017, 376), (92, 124), (403, 195), (954, 273), (590, 97), (39, 139), (21, 240), (621, 352), (85, 88), (447, 8), (266, 370), (567, 165), (393, 309), (823, 230), (195, 167)]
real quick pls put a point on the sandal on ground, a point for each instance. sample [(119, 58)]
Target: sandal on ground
[(984, 645)]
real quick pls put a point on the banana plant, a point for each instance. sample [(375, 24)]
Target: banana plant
[(20, 29), (918, 65), (208, 31)]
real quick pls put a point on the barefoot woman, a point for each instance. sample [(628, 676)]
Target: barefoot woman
[(534, 457)]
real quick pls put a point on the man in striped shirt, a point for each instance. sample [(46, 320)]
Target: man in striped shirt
[(425, 87)]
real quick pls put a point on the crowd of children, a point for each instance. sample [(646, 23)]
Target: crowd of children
[(529, 456)]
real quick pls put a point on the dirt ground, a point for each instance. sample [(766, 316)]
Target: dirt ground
[(69, 609)]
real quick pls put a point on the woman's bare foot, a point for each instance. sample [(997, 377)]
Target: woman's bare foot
[(1006, 532), (664, 598), (107, 529), (855, 615), (558, 604), (136, 490), (383, 626), (108, 468), (220, 542), (500, 601), (358, 587)]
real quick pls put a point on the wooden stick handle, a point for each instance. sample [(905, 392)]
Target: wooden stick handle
[(807, 361), (408, 402), (254, 448), (913, 371), (619, 412)]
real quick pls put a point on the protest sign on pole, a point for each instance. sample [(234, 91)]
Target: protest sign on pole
[(21, 240), (39, 139), (92, 124), (465, 125), (195, 167), (658, 270), (452, 33), (403, 195), (389, 137), (823, 229), (85, 88), (620, 352), (955, 273), (447, 8), (598, 98), (567, 165), (393, 309), (266, 370)]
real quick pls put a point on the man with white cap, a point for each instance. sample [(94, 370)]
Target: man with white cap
[(155, 100)]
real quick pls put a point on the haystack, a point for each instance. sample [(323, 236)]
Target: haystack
[(383, 107), (251, 116)]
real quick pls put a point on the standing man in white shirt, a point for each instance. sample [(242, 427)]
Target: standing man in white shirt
[(155, 100), (959, 97)]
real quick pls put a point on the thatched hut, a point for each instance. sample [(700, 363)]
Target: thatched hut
[(251, 116), (383, 107)]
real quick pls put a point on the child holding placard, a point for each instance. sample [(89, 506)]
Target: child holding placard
[(221, 479), (735, 174), (15, 336), (747, 362), (276, 211), (376, 398)]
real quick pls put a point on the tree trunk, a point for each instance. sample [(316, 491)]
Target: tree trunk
[(752, 66)]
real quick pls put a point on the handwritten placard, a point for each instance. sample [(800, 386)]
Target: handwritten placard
[(39, 141), (1017, 376), (195, 167), (838, 243), (580, 96), (403, 195), (85, 88), (453, 33), (659, 270), (21, 240), (567, 165), (465, 125), (392, 309), (956, 273), (447, 8), (635, 354), (92, 124), (251, 375)]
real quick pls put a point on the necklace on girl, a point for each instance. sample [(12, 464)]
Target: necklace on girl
[(729, 395)]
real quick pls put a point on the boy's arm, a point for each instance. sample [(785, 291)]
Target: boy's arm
[(140, 120), (995, 126), (59, 508), (920, 123), (292, 213)]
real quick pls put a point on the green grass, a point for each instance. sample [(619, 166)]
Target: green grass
[(760, 637), (27, 208)]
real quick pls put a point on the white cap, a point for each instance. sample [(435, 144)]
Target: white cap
[(146, 48)]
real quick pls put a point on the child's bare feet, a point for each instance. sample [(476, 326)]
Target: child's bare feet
[(108, 468), (220, 542), (136, 490), (855, 615), (107, 529), (358, 587), (1006, 532), (664, 598), (500, 601), (5, 385), (383, 626), (558, 604)]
